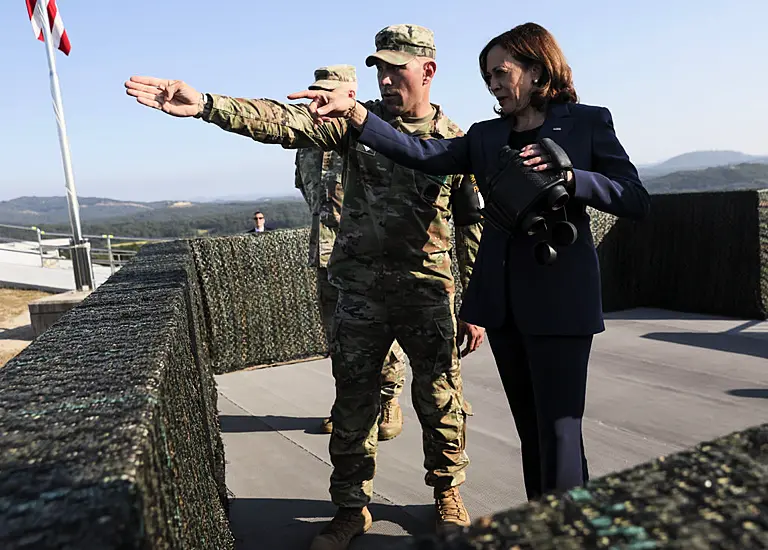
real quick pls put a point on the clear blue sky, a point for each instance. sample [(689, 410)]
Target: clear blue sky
[(678, 75)]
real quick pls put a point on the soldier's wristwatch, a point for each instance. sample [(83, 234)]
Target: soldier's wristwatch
[(206, 102)]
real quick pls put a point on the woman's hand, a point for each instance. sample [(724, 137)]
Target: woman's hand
[(326, 106), (538, 160)]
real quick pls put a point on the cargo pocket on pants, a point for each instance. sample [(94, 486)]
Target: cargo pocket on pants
[(444, 344)]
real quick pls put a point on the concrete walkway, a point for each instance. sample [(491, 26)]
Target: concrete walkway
[(659, 382), (22, 269)]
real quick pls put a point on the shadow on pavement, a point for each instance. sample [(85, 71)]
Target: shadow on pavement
[(268, 423), (754, 393), (288, 524), (730, 342)]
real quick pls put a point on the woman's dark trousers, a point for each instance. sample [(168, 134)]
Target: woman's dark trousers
[(545, 379)]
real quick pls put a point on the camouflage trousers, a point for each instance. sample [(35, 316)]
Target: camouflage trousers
[(364, 328), (393, 369)]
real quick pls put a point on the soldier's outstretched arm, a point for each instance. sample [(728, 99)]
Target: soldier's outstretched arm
[(263, 120)]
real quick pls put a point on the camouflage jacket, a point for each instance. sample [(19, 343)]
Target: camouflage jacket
[(395, 225), (319, 177)]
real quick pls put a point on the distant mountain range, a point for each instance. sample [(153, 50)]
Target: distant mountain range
[(697, 171), (36, 210), (720, 178), (151, 219), (54, 210), (698, 160)]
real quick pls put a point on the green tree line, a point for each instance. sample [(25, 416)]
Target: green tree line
[(199, 220)]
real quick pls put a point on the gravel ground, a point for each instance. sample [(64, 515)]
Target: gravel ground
[(15, 329)]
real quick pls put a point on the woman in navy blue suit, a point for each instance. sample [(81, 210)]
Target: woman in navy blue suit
[(540, 319)]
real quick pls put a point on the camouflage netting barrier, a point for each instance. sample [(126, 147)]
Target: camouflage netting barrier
[(260, 299), (109, 434), (696, 252), (712, 496), (762, 216)]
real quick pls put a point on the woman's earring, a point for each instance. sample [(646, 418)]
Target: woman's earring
[(535, 81)]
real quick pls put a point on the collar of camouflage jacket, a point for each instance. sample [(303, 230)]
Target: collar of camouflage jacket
[(439, 127)]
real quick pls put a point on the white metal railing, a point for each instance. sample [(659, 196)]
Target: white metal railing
[(101, 256)]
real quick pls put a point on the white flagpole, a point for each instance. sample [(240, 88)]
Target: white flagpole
[(58, 109)]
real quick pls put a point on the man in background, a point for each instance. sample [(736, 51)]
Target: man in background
[(319, 178), (259, 224)]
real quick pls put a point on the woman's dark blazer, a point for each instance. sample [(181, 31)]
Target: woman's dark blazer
[(563, 298)]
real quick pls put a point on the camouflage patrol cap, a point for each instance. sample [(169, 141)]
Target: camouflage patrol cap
[(333, 76), (399, 44)]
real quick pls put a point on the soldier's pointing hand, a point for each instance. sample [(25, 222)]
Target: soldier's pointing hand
[(175, 97)]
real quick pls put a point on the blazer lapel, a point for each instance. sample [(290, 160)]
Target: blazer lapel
[(558, 124)]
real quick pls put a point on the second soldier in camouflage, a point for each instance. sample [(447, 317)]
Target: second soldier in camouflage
[(319, 178)]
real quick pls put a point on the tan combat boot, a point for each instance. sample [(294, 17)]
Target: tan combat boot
[(326, 426), (391, 420), (450, 508), (346, 525)]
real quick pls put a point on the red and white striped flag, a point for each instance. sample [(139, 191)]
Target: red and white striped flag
[(58, 34)]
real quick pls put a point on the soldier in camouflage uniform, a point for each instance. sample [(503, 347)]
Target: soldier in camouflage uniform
[(318, 177), (391, 263)]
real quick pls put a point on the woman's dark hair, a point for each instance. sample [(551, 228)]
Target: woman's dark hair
[(531, 44)]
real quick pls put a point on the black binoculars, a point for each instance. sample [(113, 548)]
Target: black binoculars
[(528, 202)]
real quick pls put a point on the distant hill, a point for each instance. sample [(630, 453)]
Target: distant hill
[(188, 219), (246, 197), (698, 160), (36, 210), (153, 219), (721, 178)]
